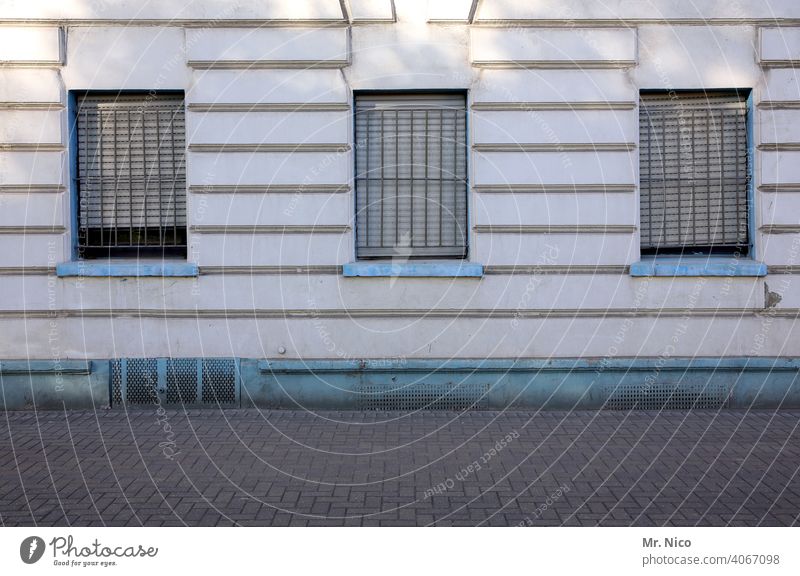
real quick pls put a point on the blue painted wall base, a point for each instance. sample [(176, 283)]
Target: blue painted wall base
[(54, 385), (563, 384)]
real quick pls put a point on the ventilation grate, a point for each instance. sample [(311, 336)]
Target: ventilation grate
[(181, 380), (219, 381), (116, 383), (424, 396), (667, 397), (141, 379), (175, 381)]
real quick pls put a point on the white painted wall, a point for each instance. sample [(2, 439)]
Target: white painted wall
[(267, 86), (554, 126), (547, 73)]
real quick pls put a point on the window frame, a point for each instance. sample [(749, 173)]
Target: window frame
[(419, 259), (122, 253), (708, 252)]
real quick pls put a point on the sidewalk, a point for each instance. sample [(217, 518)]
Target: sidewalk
[(366, 468)]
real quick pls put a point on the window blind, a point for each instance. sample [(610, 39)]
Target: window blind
[(411, 175), (131, 171), (694, 171)]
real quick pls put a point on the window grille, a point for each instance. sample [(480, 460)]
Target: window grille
[(411, 175), (694, 172), (131, 173)]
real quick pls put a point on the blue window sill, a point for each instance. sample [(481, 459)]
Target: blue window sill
[(138, 269), (698, 266), (456, 269)]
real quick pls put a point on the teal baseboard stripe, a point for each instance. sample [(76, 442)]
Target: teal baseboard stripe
[(86, 268), (54, 384), (457, 269), (594, 383), (16, 367), (414, 384), (698, 266), (700, 363)]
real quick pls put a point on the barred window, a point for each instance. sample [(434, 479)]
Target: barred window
[(131, 173), (411, 175), (694, 172)]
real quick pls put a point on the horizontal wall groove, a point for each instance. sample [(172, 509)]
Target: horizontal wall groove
[(780, 63), (32, 230), (181, 22), (780, 269), (47, 106), (266, 64), (277, 229), (270, 270), (553, 64), (779, 147), (555, 229), (631, 22), (497, 270), (546, 106), (271, 107), (270, 189), (342, 23), (267, 148), (555, 147), (568, 270), (554, 188), (365, 21), (780, 229), (31, 147), (27, 271), (30, 64), (415, 313), (779, 105), (31, 188), (783, 187)]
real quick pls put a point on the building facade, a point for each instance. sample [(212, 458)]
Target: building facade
[(399, 205)]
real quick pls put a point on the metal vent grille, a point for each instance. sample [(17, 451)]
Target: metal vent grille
[(116, 383), (424, 396), (141, 380), (219, 381), (177, 381), (668, 397), (182, 380)]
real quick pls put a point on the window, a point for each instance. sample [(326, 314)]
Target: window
[(411, 175), (130, 174), (694, 172)]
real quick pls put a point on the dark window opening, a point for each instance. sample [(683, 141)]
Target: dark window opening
[(694, 172), (411, 175), (131, 174)]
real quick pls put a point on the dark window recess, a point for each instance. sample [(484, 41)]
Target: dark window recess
[(411, 175), (694, 172), (131, 174)]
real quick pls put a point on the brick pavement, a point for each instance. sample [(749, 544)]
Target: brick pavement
[(340, 468)]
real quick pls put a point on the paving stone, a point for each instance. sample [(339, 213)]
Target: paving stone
[(286, 468)]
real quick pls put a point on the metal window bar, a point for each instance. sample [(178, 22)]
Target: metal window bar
[(131, 174), (694, 173), (411, 178)]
